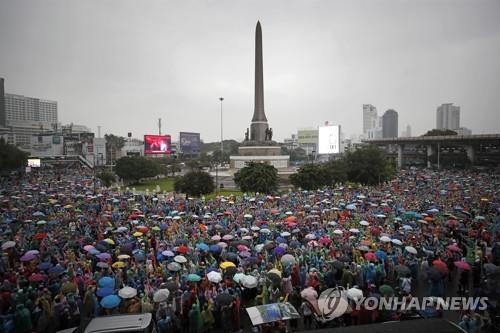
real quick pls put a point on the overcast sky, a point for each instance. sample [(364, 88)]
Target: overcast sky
[(124, 64)]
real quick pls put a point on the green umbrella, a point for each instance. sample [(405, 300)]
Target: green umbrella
[(194, 278), (385, 289)]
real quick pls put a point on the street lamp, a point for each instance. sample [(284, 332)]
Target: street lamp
[(313, 156), (221, 139)]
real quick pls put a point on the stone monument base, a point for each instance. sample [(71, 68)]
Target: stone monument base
[(260, 154)]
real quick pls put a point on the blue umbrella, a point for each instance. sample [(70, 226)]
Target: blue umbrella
[(381, 255), (280, 240), (39, 213), (103, 292), (94, 251), (215, 249), (107, 282), (56, 269), (44, 266), (203, 247), (110, 301)]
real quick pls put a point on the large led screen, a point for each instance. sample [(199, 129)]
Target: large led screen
[(157, 144)]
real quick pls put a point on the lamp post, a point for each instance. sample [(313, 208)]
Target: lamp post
[(313, 156), (221, 138)]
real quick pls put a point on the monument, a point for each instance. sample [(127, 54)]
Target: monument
[(259, 145)]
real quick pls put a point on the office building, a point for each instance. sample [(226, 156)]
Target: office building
[(307, 139), (390, 124), (406, 133), (448, 117), (463, 131), (372, 123)]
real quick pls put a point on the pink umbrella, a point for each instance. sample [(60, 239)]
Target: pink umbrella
[(88, 247), (228, 237), (216, 238), (370, 256), (309, 294), (36, 277), (325, 241), (242, 248), (462, 265), (313, 243), (104, 256), (453, 248)]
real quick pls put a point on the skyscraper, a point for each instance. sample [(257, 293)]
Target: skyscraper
[(390, 124), (448, 117), (371, 122)]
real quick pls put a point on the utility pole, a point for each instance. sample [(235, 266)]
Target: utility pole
[(159, 126), (221, 137)]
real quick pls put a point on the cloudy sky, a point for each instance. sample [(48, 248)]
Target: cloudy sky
[(123, 64)]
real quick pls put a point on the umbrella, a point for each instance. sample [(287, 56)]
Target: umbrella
[(227, 264), (396, 241), (173, 266), (434, 274), (88, 247), (490, 268), (215, 249), (104, 256), (288, 259), (402, 270), (453, 248), (238, 276), (27, 257), (309, 294), (110, 302), (123, 257), (109, 241), (364, 223), (214, 277), (194, 278), (274, 275), (338, 232), (370, 256), (180, 259), (279, 250), (44, 266), (385, 239), (385, 289), (249, 281), (8, 245), (462, 265), (354, 230), (106, 282), (183, 249), (118, 264), (441, 266), (103, 292), (102, 265), (161, 295), (127, 292), (203, 247), (56, 270), (354, 293), (168, 253), (411, 249), (381, 255), (68, 288), (36, 277), (224, 299)]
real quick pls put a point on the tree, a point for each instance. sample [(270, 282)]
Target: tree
[(114, 143), (440, 132), (134, 168), (335, 171), (368, 166), (296, 155), (195, 183), (257, 177), (309, 177), (107, 178), (193, 165), (11, 157)]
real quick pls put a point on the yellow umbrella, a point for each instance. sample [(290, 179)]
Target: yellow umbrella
[(118, 264), (109, 241), (68, 206), (227, 264), (137, 234)]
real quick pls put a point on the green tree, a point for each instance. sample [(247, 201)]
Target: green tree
[(195, 183), (114, 143), (107, 178), (440, 132), (134, 168), (193, 165), (309, 177), (368, 166), (11, 157), (257, 177), (335, 171)]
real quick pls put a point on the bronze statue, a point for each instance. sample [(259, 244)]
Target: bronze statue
[(246, 135)]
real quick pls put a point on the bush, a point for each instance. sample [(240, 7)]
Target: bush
[(195, 183), (257, 177), (11, 157)]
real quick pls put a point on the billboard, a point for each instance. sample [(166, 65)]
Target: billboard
[(307, 136), (34, 162), (329, 139), (189, 142), (157, 144)]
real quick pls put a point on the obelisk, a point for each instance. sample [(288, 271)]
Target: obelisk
[(259, 123)]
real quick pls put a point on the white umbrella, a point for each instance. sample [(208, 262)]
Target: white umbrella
[(385, 239), (123, 256), (364, 223), (396, 241), (411, 249), (255, 228), (247, 216), (243, 230), (259, 247), (161, 295), (338, 232), (289, 213), (238, 276), (288, 259), (249, 281), (8, 245), (180, 259), (214, 277), (354, 293), (354, 230), (310, 236), (285, 234), (265, 231), (127, 292)]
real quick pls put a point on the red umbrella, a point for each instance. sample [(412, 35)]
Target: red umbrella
[(325, 241), (453, 248), (183, 249), (370, 256), (462, 265), (40, 235), (375, 231), (36, 277), (291, 218), (452, 223), (143, 229), (441, 266)]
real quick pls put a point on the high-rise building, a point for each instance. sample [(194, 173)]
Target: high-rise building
[(448, 117), (372, 128), (25, 116), (390, 124), (407, 132)]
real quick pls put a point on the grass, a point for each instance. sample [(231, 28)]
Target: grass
[(225, 193), (166, 185)]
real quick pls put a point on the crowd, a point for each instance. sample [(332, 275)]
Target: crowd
[(72, 251)]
